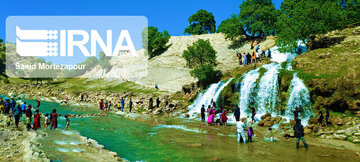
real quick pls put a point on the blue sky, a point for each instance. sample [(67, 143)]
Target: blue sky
[(163, 14)]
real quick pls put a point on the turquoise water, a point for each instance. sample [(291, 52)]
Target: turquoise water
[(183, 141)]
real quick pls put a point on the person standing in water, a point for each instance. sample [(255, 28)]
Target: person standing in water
[(38, 104), (211, 112), (36, 123), (53, 119), (296, 114), (299, 133), (47, 120), (67, 122), (130, 104), (240, 130), (253, 113), (101, 105), (28, 112), (237, 113), (122, 101), (202, 112), (224, 118), (109, 106)]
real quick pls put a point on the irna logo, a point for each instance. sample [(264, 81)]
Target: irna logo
[(31, 42)]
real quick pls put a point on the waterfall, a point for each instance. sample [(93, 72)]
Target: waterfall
[(212, 92), (247, 87), (267, 96), (299, 97)]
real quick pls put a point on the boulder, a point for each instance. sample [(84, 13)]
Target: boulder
[(187, 115), (315, 128), (350, 131), (157, 111), (267, 118), (307, 131), (312, 121), (292, 122), (340, 136), (269, 123), (266, 115), (336, 121), (277, 119), (261, 123), (340, 131)]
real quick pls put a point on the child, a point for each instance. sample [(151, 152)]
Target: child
[(28, 123), (271, 135), (8, 120), (47, 120), (67, 122), (250, 134)]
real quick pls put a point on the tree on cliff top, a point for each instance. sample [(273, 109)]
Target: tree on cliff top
[(304, 19), (258, 17), (202, 22)]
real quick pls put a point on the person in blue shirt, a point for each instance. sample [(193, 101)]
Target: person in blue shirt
[(257, 47), (122, 104), (17, 114), (23, 107), (13, 104)]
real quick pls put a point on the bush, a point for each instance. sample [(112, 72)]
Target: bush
[(154, 41)]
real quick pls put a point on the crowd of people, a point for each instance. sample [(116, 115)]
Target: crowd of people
[(29, 115), (244, 129), (252, 57)]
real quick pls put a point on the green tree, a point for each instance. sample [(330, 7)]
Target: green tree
[(231, 27), (155, 41), (351, 11), (201, 56), (258, 17), (304, 19), (202, 22)]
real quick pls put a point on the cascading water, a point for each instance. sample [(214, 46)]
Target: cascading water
[(267, 96), (212, 92), (299, 98), (247, 87)]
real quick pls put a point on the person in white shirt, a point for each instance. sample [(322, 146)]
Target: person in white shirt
[(240, 130)]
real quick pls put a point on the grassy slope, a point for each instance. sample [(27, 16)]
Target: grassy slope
[(333, 73)]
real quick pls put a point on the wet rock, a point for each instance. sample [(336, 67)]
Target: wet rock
[(340, 136), (266, 115), (261, 123), (312, 121), (269, 123), (267, 118), (187, 115), (292, 122), (277, 119), (114, 154), (307, 131)]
